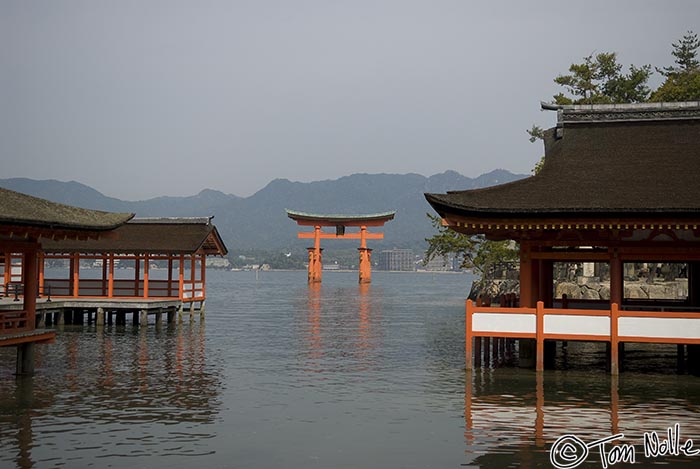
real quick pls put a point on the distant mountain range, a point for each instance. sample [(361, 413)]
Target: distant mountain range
[(259, 222)]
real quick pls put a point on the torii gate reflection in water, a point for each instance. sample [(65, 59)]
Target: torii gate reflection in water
[(340, 222)]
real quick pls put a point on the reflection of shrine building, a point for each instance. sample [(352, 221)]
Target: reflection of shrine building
[(619, 185), (516, 417), (111, 381)]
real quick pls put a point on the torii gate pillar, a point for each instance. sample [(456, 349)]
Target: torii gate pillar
[(315, 258), (365, 257)]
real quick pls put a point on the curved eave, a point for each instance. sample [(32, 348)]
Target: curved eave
[(446, 207), (340, 218), (22, 210)]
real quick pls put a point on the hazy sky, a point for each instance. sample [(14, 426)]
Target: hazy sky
[(145, 98)]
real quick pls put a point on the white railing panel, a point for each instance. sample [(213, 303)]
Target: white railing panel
[(666, 328), (499, 322), (576, 325)]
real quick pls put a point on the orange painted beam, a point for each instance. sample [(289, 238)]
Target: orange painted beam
[(322, 235)]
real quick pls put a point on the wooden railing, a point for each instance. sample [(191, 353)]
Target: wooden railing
[(13, 322), (611, 325), (125, 288)]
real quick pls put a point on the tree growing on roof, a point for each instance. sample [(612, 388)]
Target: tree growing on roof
[(599, 80)]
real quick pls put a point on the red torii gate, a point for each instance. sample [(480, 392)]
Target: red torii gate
[(340, 222)]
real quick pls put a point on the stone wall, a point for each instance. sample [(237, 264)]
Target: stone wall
[(594, 289), (588, 288)]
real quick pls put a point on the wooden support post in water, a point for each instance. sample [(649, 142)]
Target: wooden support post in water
[(539, 363), (614, 362), (100, 320), (680, 358), (201, 309), (135, 318), (468, 350), (25, 359), (143, 318), (159, 318)]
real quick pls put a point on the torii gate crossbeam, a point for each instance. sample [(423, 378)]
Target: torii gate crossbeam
[(340, 222)]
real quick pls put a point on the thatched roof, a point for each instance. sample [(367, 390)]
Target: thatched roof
[(615, 161), (150, 236), (23, 210)]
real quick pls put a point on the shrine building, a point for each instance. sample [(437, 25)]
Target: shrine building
[(26, 222), (620, 185)]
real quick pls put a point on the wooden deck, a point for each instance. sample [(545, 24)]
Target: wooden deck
[(39, 336), (102, 311)]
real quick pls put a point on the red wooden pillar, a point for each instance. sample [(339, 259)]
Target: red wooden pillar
[(7, 273), (540, 336), (75, 273), (104, 275), (193, 275), (30, 281), (546, 283), (614, 342), (468, 334), (181, 278), (110, 280), (526, 280), (137, 275), (170, 275), (616, 285), (203, 274), (146, 262), (528, 349), (41, 273)]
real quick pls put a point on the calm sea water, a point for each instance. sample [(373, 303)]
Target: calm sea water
[(281, 375)]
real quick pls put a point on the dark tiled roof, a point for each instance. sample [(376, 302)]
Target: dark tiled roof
[(151, 236), (600, 166), (24, 210)]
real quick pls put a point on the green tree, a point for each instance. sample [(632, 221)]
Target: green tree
[(476, 252), (599, 80), (682, 80)]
